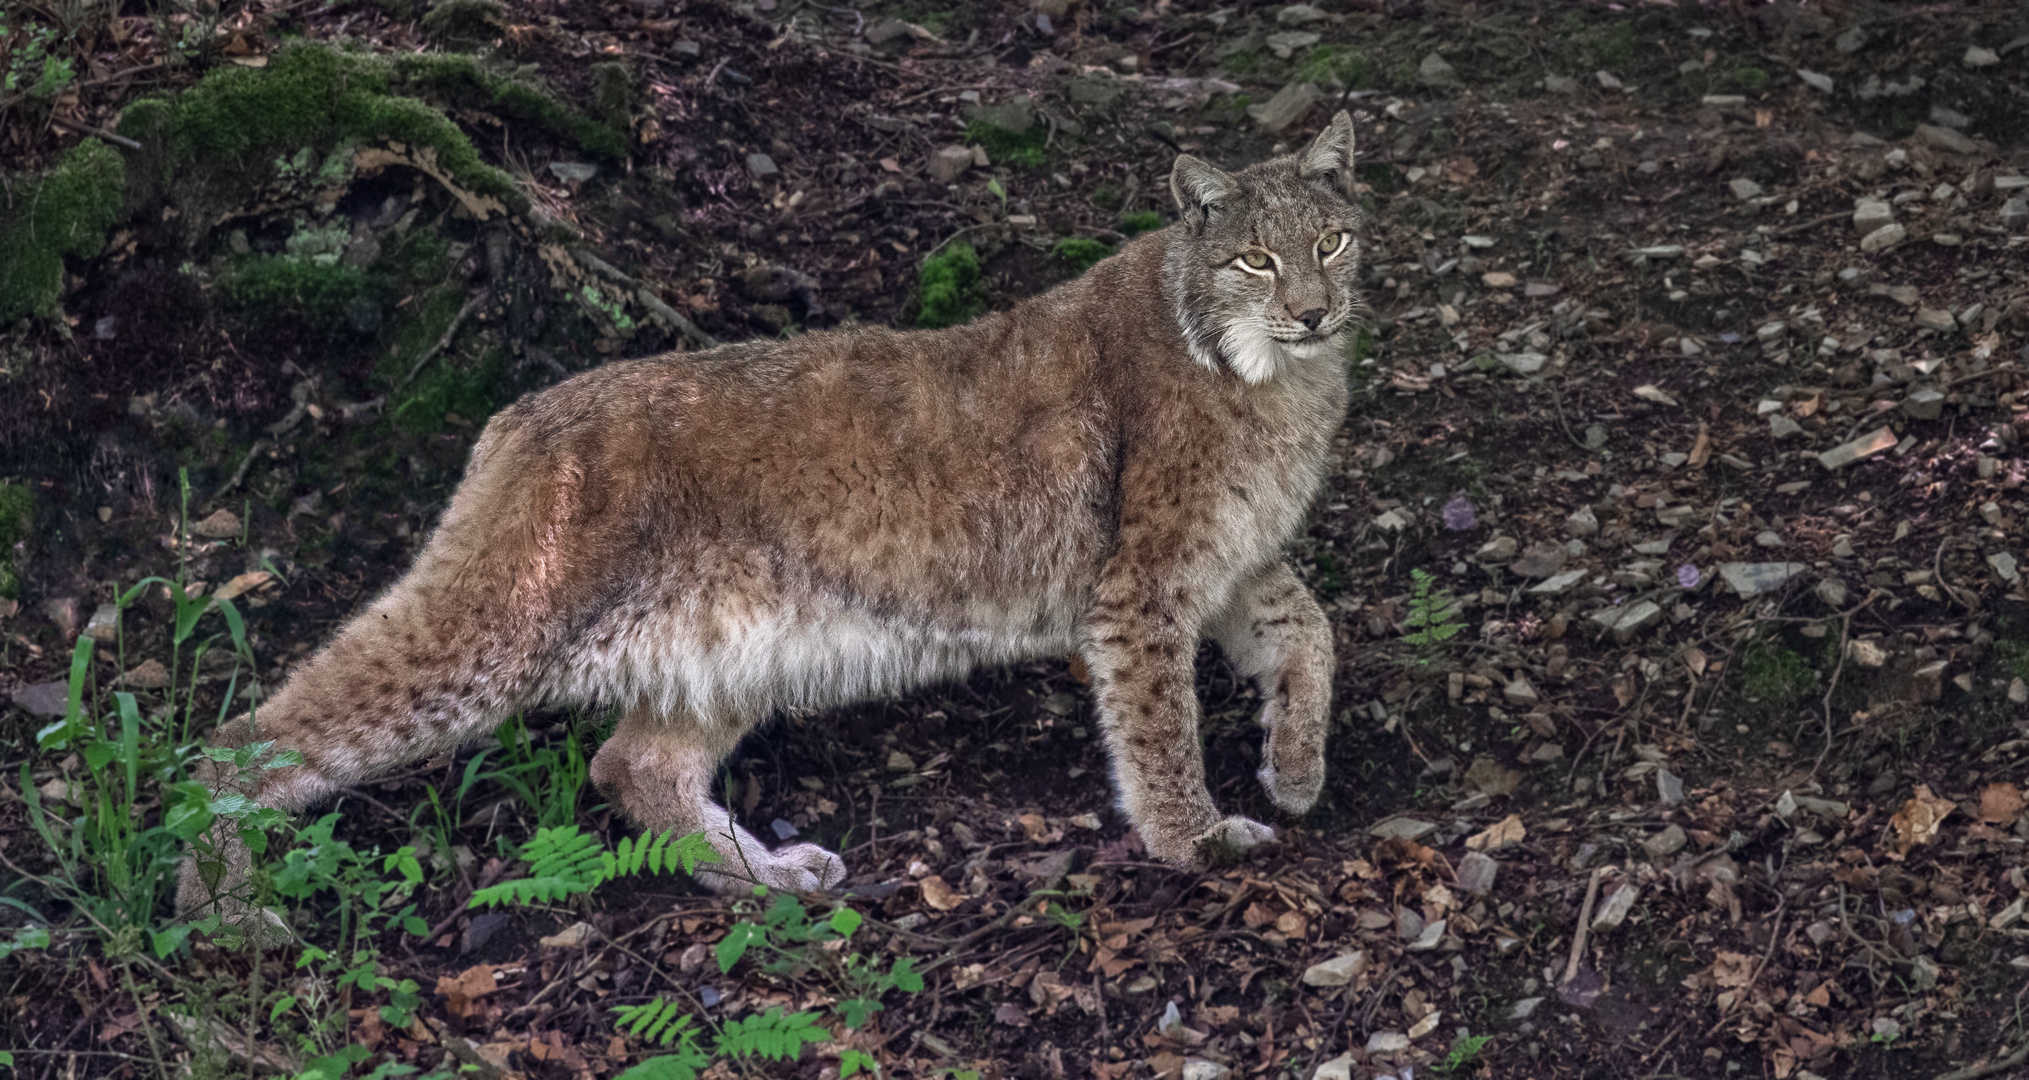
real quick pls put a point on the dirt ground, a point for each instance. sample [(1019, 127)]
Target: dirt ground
[(1694, 392)]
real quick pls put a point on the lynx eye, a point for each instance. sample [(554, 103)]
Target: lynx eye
[(1330, 243), (1255, 260)]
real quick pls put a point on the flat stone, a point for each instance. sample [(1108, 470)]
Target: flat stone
[(2004, 565), (1887, 236), (1557, 583), (1615, 906), (1666, 843), (1744, 189), (948, 163), (1201, 1069), (1338, 971), (1285, 44), (1541, 560), (1816, 81), (761, 165), (1859, 449), (1300, 14), (1906, 295), (1520, 692), (1625, 622), (1498, 279), (1979, 56), (2010, 183), (1832, 591), (1936, 319), (1924, 404), (1522, 363), (1782, 427), (1395, 828), (1338, 1068), (1014, 114), (1669, 787), (44, 699), (221, 525), (1387, 1042), (1538, 289), (1582, 522), (1753, 579), (1871, 214), (1437, 71), (1946, 139), (1768, 538), (1499, 549), (1287, 106), (1525, 1008), (1476, 872), (1926, 684), (1608, 80), (104, 624), (2015, 214), (570, 937), (1560, 84), (569, 171)]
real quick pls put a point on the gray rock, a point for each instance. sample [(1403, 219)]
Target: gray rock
[(1560, 84), (1202, 1069), (1014, 114), (1437, 71), (1753, 579), (1923, 404), (886, 30), (1607, 81), (1523, 363), (1286, 107), (1936, 319), (580, 171), (1557, 583), (1499, 549), (1669, 787), (1860, 449), (1871, 214), (1852, 41), (1666, 843), (1582, 522), (1476, 872), (1541, 560), (1887, 236), (1092, 91), (1951, 118), (1525, 1008), (1625, 622), (1285, 44), (1399, 828), (1832, 591), (2004, 564), (1815, 80), (1338, 971), (2015, 214), (1979, 57), (44, 699), (104, 623), (1744, 188), (1782, 427), (948, 163), (761, 165), (1944, 138), (1299, 15)]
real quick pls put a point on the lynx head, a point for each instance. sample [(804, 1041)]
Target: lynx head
[(1262, 272)]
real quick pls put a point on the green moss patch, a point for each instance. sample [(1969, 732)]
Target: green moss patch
[(471, 391), (1021, 149), (1326, 62), (66, 212), (321, 293), (952, 289), (1080, 253), (1776, 674), (17, 516), (1140, 221)]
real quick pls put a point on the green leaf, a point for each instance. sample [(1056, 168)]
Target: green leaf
[(844, 921), (772, 1035), (415, 926), (853, 1062), (282, 1005), (682, 1065), (857, 1011), (907, 978), (168, 940), (734, 944)]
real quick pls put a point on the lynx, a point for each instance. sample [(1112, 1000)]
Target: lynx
[(1110, 469)]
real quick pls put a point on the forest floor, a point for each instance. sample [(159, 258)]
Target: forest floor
[(1674, 554)]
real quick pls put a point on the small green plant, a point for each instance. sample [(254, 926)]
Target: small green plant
[(66, 212), (1433, 615), (1005, 146), (1140, 221), (547, 779), (1465, 1052), (35, 65), (1331, 62), (614, 311), (998, 191), (1244, 62), (1080, 253), (1773, 673), (1750, 78), (952, 288)]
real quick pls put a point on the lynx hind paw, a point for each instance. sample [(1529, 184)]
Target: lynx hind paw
[(1231, 838)]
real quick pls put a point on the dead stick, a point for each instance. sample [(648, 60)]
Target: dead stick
[(451, 331), (1584, 923)]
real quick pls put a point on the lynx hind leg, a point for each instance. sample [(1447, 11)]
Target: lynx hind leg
[(1275, 634), (660, 769)]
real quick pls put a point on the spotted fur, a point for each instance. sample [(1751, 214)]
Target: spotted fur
[(1111, 468)]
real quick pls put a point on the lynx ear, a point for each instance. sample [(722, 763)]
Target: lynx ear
[(1330, 157), (1201, 189)]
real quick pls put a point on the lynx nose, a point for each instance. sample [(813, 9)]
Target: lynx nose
[(1310, 319)]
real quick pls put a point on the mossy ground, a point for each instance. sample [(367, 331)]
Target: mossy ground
[(1004, 146), (951, 288), (66, 212), (17, 509), (1080, 253)]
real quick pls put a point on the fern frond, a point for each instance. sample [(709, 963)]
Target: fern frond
[(682, 1065), (773, 1035)]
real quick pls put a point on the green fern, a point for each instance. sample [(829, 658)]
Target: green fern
[(1433, 613), (565, 862), (773, 1035)]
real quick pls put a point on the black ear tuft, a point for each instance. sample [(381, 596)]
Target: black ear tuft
[(1330, 157), (1200, 189)]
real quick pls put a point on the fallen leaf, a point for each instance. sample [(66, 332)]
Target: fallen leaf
[(1490, 776), (938, 895), (1654, 393), (1918, 821), (1732, 969), (891, 165), (2000, 804)]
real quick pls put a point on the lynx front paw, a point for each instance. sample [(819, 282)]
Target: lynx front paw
[(1294, 790), (1229, 839), (802, 868)]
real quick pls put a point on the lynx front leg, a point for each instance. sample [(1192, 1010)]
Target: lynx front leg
[(1141, 652), (659, 768), (1275, 634)]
